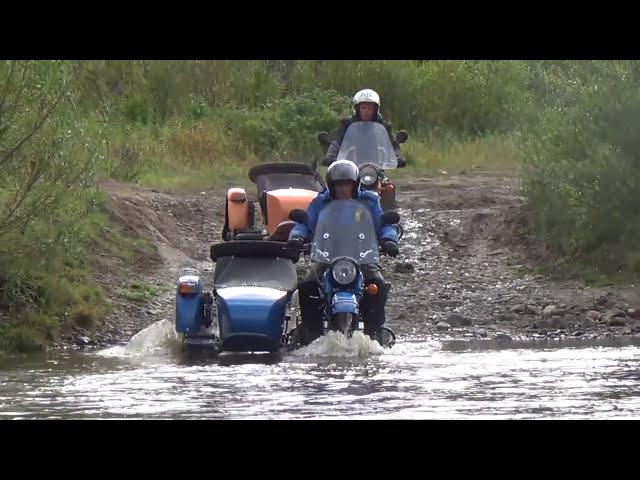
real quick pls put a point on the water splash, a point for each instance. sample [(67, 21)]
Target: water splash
[(335, 344), (157, 339)]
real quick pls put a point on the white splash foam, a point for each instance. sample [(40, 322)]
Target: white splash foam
[(335, 344), (158, 338)]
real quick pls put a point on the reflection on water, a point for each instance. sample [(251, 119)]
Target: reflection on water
[(418, 378)]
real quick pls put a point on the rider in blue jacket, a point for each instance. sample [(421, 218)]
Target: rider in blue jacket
[(343, 183)]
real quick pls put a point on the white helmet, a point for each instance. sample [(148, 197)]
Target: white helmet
[(366, 95)]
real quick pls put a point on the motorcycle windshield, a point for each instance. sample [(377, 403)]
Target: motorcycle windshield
[(368, 142), (345, 228)]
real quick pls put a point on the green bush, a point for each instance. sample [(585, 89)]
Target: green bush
[(22, 339), (286, 129), (583, 187)]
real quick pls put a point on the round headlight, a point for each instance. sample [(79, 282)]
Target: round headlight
[(344, 272), (368, 176)]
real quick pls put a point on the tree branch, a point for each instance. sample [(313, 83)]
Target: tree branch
[(7, 84), (35, 129)]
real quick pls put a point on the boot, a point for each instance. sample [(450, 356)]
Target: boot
[(372, 309)]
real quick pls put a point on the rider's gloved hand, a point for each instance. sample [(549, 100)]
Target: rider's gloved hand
[(401, 162), (328, 160), (296, 243), (390, 248)]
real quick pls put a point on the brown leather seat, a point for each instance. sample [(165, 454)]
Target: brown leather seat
[(282, 231)]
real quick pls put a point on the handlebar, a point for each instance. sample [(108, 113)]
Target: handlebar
[(306, 250)]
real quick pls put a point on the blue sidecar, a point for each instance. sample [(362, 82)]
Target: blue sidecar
[(254, 281)]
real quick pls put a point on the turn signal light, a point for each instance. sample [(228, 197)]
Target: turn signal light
[(188, 288), (372, 289)]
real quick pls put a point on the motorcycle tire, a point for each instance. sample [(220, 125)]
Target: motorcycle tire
[(342, 322)]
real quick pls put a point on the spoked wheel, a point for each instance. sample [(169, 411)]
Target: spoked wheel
[(385, 337), (300, 336), (294, 339), (342, 323)]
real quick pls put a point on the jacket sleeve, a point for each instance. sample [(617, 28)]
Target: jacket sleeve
[(384, 232), (304, 231), (396, 145), (334, 148), (342, 130)]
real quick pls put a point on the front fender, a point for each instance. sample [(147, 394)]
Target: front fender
[(344, 302)]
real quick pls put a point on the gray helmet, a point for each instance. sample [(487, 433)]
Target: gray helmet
[(342, 170)]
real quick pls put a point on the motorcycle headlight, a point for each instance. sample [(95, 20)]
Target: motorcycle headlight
[(344, 272), (368, 176)]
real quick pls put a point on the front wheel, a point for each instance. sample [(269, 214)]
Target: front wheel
[(342, 322)]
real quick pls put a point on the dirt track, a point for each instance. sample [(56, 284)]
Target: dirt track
[(464, 269)]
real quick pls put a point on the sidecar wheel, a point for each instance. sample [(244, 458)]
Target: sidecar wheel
[(385, 337)]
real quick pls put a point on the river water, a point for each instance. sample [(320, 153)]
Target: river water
[(334, 378)]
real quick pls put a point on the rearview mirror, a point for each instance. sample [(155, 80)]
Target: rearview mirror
[(402, 136), (299, 216), (390, 218)]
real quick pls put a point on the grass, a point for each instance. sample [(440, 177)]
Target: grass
[(64, 302), (173, 178), (179, 157), (65, 293), (22, 338), (179, 167), (589, 274), (138, 292), (428, 154)]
